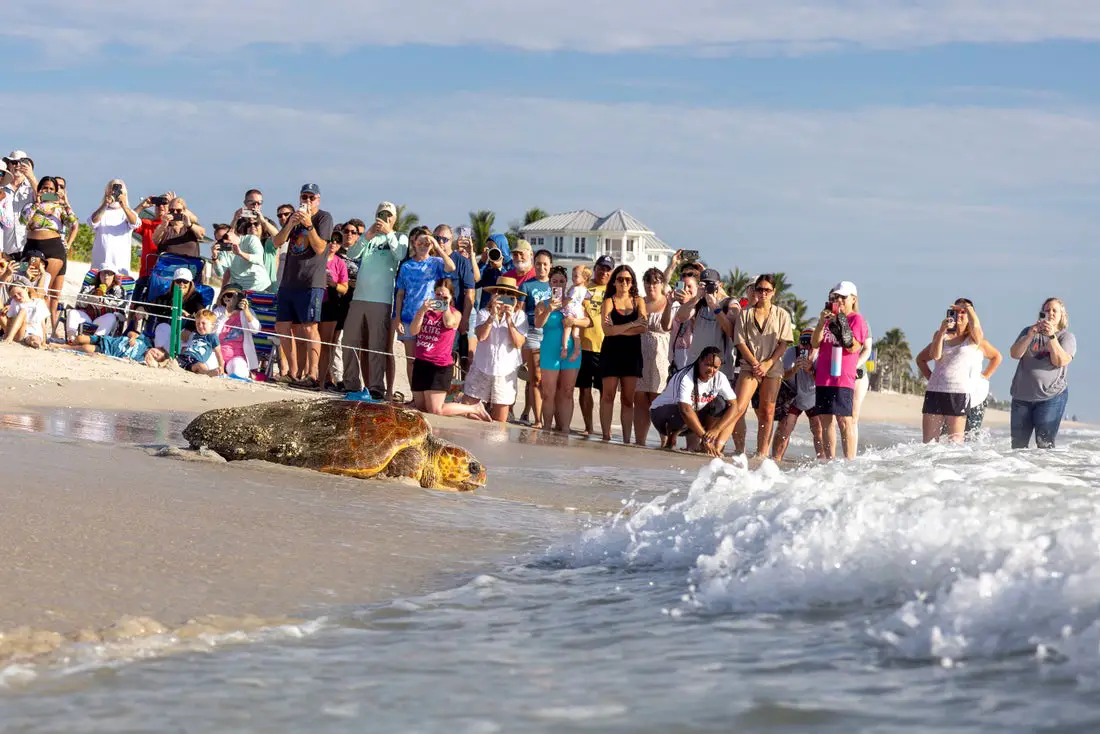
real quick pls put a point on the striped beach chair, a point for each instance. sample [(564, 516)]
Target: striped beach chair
[(127, 282), (263, 305)]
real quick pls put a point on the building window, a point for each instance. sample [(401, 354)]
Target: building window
[(580, 245), (630, 244), (559, 244)]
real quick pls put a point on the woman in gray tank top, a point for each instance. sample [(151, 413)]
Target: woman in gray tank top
[(1040, 388)]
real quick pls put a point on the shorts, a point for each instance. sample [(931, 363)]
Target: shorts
[(534, 338), (669, 421), (335, 308), (53, 248), (430, 377), (299, 305), (492, 389), (945, 403), (186, 361), (834, 401), (589, 375)]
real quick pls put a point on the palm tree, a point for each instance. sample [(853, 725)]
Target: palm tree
[(481, 222), (736, 282), (796, 307), (894, 358), (405, 220)]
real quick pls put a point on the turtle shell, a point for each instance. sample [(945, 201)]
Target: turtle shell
[(373, 434)]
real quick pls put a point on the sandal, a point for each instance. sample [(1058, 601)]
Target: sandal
[(307, 384)]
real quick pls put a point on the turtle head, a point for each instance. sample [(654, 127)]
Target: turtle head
[(457, 469)]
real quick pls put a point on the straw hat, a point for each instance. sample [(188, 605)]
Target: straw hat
[(506, 286)]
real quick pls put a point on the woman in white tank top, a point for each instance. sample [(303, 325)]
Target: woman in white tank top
[(956, 350)]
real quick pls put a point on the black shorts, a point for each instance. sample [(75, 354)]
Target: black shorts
[(669, 421), (428, 377), (589, 375), (335, 308), (834, 401), (53, 248), (945, 403)]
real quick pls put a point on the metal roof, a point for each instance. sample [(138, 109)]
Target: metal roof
[(586, 221)]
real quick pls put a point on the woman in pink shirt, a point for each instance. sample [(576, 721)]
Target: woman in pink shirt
[(839, 338), (434, 326), (336, 280)]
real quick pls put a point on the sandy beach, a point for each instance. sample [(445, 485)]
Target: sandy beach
[(96, 532)]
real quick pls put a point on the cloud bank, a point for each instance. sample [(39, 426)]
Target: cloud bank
[(609, 26)]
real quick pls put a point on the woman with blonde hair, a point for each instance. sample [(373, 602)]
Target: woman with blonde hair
[(1040, 387), (863, 381), (956, 349)]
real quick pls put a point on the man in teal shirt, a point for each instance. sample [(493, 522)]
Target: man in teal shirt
[(369, 325)]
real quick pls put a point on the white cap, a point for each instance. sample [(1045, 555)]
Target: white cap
[(183, 274), (845, 288)]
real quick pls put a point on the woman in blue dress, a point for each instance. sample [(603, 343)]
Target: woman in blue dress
[(559, 376)]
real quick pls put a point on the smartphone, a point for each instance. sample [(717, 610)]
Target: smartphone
[(952, 321), (384, 216), (437, 304), (507, 300), (116, 190), (1043, 315), (158, 200), (690, 255), (803, 353), (557, 294), (303, 207), (464, 233), (49, 196), (681, 287)]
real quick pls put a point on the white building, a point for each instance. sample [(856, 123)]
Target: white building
[(581, 237)]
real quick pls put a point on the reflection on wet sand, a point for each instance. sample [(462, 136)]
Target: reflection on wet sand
[(102, 426)]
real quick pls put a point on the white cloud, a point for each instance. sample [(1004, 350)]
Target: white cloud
[(914, 204), (696, 26)]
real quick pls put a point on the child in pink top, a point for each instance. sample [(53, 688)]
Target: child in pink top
[(434, 326)]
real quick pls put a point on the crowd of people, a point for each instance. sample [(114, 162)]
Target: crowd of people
[(471, 318)]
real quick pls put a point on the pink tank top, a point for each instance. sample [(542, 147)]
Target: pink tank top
[(434, 343)]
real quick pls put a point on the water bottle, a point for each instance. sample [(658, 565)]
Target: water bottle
[(836, 364)]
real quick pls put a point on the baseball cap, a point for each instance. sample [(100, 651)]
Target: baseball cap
[(28, 254), (710, 274), (521, 246), (605, 261), (183, 274), (845, 288), (386, 206), (310, 189)]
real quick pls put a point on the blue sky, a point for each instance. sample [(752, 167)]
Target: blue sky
[(923, 149)]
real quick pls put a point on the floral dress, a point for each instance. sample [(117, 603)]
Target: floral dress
[(654, 355)]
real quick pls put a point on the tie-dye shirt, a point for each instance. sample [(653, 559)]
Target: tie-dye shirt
[(51, 216)]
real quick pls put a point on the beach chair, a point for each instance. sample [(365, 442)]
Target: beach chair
[(127, 282), (160, 279), (263, 305)]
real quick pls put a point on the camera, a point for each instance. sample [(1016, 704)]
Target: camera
[(437, 304), (495, 255), (158, 200), (711, 287), (690, 254), (177, 216)]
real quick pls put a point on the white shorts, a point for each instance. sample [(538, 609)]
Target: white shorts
[(492, 389)]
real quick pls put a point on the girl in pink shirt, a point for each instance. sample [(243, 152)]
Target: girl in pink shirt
[(434, 326)]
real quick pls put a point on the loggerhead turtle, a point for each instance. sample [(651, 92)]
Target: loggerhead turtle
[(348, 437)]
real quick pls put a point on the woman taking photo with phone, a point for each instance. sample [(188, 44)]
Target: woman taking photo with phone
[(624, 322), (537, 290), (956, 350), (48, 220), (435, 327), (1040, 386), (559, 374), (655, 342)]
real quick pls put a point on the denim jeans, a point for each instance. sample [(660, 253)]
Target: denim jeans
[(1043, 417)]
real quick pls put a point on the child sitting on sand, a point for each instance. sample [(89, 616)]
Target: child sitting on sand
[(132, 346), (574, 309), (203, 343), (28, 317)]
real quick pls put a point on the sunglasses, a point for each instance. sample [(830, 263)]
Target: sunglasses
[(308, 197), (443, 239), (623, 279), (253, 202), (181, 281), (765, 291), (176, 211), (284, 214)]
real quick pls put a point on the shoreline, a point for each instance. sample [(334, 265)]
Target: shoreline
[(106, 540)]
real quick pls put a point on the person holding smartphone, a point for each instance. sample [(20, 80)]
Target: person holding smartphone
[(146, 228), (956, 350), (501, 333), (113, 223), (20, 185), (797, 395), (377, 255), (416, 280), (1040, 387), (558, 367), (47, 219), (181, 233), (435, 327)]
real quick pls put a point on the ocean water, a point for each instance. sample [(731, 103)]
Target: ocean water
[(930, 588)]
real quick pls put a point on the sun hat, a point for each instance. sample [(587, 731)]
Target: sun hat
[(183, 274), (506, 286), (18, 155)]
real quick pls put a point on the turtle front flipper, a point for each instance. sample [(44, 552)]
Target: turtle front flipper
[(407, 463)]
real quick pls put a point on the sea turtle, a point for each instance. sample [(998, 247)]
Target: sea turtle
[(349, 437)]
